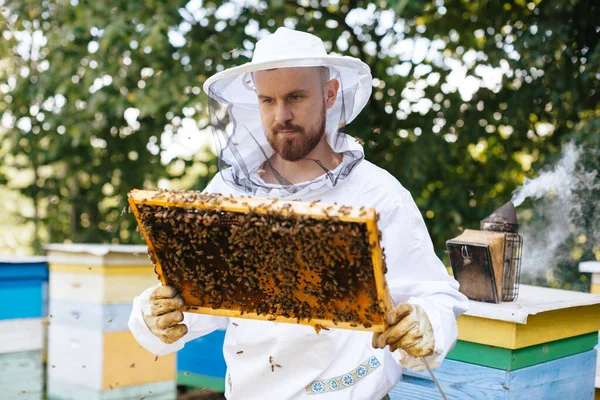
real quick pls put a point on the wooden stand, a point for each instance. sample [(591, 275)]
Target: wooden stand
[(92, 355), (23, 294), (538, 347)]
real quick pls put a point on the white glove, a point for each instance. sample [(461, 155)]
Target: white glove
[(409, 330), (162, 315)]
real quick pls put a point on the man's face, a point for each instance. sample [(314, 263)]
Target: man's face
[(293, 104)]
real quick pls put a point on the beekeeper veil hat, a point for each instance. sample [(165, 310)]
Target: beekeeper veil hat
[(242, 146)]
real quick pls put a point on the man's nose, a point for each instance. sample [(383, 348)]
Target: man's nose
[(283, 113)]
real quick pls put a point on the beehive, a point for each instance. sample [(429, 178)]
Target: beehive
[(23, 293), (540, 346), (91, 352), (298, 262)]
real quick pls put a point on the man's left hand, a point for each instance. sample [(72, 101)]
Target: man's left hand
[(409, 330)]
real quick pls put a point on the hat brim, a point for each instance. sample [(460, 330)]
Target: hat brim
[(330, 60)]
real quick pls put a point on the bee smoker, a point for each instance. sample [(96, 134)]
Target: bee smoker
[(487, 262)]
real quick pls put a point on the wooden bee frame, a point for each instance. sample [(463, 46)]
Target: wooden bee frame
[(367, 301)]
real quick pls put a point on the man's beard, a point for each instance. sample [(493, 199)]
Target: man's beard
[(299, 145)]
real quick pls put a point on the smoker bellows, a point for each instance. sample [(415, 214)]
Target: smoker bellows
[(308, 263), (487, 262)]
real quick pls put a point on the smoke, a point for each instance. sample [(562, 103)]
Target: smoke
[(560, 180), (565, 195)]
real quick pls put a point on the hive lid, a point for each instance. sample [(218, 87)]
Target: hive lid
[(95, 249), (8, 259), (533, 300), (23, 268), (589, 266), (97, 254)]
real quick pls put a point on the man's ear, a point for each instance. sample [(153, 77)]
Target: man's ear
[(331, 89)]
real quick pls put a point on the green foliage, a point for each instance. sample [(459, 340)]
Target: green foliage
[(460, 154), (84, 155)]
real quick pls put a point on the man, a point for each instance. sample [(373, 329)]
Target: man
[(279, 120)]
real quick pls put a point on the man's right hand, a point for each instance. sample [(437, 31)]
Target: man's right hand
[(163, 315)]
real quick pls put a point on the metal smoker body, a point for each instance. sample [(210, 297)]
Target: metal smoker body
[(487, 262)]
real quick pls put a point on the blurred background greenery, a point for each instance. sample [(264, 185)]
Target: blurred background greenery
[(469, 98)]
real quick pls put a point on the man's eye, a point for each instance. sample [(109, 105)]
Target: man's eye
[(295, 97), (267, 101)]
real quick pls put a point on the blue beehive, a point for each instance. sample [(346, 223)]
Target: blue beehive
[(23, 291), (24, 285), (201, 363)]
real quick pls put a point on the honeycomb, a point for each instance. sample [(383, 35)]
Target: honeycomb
[(307, 263)]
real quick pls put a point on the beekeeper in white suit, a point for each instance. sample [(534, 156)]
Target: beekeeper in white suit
[(280, 121)]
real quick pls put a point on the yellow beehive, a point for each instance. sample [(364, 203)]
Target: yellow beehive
[(91, 352)]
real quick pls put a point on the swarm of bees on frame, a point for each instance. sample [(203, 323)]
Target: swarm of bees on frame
[(273, 263)]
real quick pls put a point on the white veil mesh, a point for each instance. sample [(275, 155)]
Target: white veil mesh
[(242, 146)]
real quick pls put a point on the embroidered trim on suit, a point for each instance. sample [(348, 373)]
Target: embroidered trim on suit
[(343, 381)]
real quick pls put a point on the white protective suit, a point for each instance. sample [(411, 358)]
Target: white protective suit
[(415, 275), (336, 363)]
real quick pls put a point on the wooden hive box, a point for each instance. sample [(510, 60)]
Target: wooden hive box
[(91, 352), (592, 267), (24, 284), (87, 364), (98, 274), (538, 347), (201, 364), (564, 378), (23, 292), (296, 262), (21, 358)]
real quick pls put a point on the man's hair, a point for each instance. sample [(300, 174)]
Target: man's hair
[(324, 75)]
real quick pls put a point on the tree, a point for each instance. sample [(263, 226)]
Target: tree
[(68, 104), (469, 97)]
